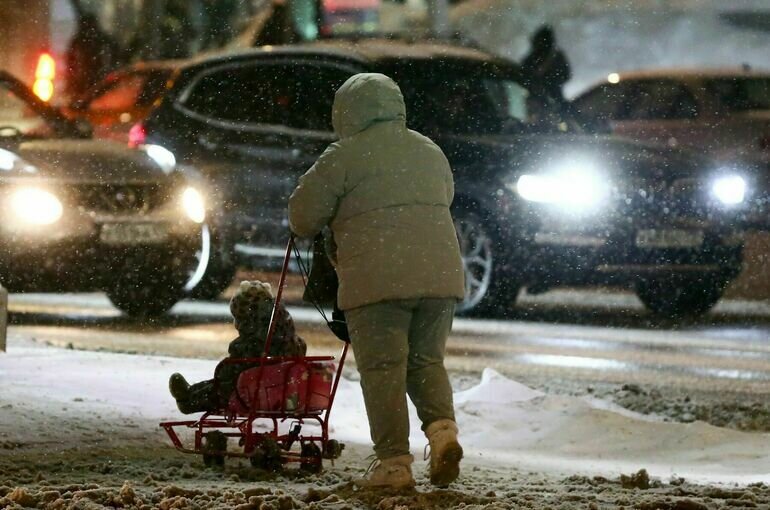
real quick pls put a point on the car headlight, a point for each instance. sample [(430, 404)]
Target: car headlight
[(163, 157), (36, 206), (729, 189), (578, 189), (8, 160), (194, 205)]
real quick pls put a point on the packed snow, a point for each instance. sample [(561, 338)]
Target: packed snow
[(502, 422)]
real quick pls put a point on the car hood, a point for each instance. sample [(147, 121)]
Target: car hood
[(94, 161), (616, 157)]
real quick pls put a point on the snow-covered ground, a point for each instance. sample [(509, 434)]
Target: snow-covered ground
[(57, 400)]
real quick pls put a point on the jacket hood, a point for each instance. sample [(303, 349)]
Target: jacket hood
[(366, 99)]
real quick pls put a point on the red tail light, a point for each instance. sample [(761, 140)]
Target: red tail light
[(137, 135), (45, 73)]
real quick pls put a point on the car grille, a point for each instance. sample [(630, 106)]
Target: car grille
[(681, 199), (120, 198)]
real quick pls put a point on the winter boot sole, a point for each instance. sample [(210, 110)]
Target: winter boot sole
[(446, 468)]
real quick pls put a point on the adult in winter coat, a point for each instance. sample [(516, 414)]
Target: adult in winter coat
[(545, 67), (91, 54), (385, 192)]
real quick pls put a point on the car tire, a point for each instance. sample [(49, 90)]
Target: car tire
[(146, 294), (680, 297), (215, 281), (490, 291), (215, 268)]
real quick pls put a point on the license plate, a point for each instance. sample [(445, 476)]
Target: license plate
[(669, 238), (133, 233)]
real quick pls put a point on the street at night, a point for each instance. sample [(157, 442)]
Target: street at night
[(384, 254)]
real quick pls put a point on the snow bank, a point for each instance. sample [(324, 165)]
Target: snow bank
[(501, 421)]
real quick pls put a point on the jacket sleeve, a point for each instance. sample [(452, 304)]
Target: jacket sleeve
[(450, 182), (314, 201)]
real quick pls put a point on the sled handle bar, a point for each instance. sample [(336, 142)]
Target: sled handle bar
[(278, 295)]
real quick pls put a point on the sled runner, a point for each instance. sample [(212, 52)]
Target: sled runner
[(279, 411)]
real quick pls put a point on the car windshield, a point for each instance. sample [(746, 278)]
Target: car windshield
[(477, 103), (741, 94), (19, 118)]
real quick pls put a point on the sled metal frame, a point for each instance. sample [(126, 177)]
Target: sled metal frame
[(242, 426)]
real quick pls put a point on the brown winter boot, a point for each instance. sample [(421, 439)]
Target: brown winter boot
[(445, 452), (391, 473)]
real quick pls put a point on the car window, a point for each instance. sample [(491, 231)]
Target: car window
[(295, 95), (518, 100), (741, 94), (315, 95), (472, 103), (660, 100), (17, 117)]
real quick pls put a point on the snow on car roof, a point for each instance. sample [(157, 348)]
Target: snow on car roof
[(379, 48), (678, 74), (691, 73), (364, 49)]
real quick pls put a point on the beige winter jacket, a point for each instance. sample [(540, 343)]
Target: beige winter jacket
[(385, 191)]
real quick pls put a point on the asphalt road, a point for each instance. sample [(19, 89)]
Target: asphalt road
[(578, 336)]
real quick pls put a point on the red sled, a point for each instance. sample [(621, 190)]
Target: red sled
[(269, 407)]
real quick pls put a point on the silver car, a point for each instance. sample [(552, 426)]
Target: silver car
[(80, 214), (724, 113)]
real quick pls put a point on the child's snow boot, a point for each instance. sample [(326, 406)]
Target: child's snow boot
[(180, 390), (391, 473), (445, 452), (178, 386)]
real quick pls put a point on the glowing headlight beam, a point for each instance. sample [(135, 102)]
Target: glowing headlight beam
[(8, 160), (36, 206), (573, 189), (536, 188), (730, 189), (194, 205)]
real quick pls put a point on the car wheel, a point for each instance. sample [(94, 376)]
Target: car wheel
[(144, 294), (681, 297), (489, 291), (214, 269)]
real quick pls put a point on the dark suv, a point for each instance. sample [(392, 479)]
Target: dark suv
[(538, 205)]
